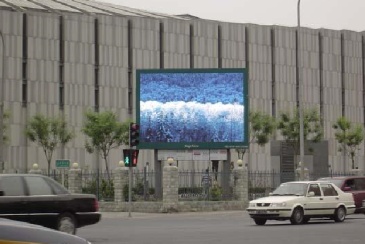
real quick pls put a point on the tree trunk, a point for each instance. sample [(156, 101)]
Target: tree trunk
[(107, 167), (49, 167)]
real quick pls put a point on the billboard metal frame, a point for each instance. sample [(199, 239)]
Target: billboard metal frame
[(197, 145)]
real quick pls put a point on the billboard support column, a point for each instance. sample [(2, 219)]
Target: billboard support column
[(226, 171), (158, 175)]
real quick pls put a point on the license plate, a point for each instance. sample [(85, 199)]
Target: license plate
[(261, 211)]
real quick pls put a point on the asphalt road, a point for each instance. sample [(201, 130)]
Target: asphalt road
[(218, 228)]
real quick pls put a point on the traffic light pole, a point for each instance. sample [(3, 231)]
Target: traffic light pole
[(133, 141), (130, 192)]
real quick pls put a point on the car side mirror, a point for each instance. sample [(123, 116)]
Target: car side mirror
[(270, 194), (1, 193), (347, 188), (310, 194)]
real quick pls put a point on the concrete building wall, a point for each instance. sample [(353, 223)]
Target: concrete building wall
[(233, 45), (353, 83), (331, 66), (176, 44), (40, 78), (11, 27)]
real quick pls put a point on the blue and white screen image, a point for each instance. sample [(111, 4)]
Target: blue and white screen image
[(191, 107)]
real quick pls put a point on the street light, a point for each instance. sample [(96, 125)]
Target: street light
[(2, 101), (300, 105)]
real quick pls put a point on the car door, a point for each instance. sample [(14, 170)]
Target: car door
[(330, 198), (314, 204), (359, 192), (42, 201), (12, 202)]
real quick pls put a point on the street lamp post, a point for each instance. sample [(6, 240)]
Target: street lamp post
[(2, 100), (300, 105)]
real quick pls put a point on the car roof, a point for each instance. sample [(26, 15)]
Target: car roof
[(13, 174), (302, 182), (341, 177)]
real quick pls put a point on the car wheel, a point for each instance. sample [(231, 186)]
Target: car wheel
[(260, 221), (340, 214), (306, 220), (297, 217), (66, 223)]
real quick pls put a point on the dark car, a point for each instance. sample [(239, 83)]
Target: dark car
[(352, 184), (40, 200), (19, 232)]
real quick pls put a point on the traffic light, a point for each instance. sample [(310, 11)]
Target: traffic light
[(134, 157), (127, 157), (133, 134), (130, 157)]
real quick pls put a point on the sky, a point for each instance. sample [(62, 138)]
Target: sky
[(330, 14)]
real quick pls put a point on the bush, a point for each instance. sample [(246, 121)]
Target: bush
[(106, 189), (126, 193), (216, 193)]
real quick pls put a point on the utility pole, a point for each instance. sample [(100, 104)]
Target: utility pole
[(2, 101), (300, 105)]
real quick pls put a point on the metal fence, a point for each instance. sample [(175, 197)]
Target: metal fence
[(193, 188), (260, 183)]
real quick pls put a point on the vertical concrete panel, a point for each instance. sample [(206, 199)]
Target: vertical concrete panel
[(285, 68)]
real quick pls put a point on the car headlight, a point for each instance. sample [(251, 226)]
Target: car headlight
[(278, 204), (252, 205)]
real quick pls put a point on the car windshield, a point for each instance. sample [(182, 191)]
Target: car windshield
[(288, 189)]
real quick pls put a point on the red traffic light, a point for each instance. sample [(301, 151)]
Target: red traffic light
[(133, 134), (134, 127)]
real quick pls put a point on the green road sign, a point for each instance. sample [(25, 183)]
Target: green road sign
[(62, 163)]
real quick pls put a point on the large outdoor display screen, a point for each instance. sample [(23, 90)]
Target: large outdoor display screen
[(192, 108)]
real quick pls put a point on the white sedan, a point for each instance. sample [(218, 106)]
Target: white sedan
[(300, 201)]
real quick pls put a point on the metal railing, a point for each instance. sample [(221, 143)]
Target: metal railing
[(191, 187)]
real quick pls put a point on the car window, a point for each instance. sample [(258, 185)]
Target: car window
[(57, 188), (314, 188), (328, 190), (12, 186), (350, 183), (37, 186), (359, 184)]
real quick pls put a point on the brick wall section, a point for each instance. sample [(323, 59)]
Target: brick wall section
[(35, 171), (240, 185), (170, 183), (75, 180), (120, 181), (188, 206)]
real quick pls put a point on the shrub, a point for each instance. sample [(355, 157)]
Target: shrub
[(216, 193), (106, 189)]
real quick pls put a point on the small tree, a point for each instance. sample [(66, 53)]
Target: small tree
[(105, 133), (48, 133), (5, 126), (262, 127), (290, 128), (349, 136)]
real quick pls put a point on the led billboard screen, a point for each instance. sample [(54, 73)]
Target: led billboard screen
[(192, 108)]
